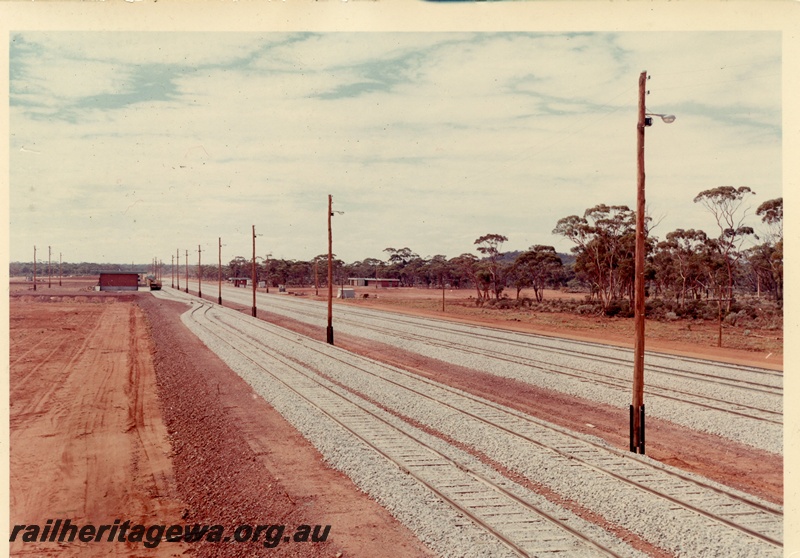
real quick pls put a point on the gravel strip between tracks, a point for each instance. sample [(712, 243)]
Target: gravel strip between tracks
[(439, 526), (762, 435), (434, 522)]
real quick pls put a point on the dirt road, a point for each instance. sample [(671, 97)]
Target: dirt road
[(119, 413), (87, 439)]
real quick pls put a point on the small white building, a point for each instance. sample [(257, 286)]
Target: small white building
[(373, 282)]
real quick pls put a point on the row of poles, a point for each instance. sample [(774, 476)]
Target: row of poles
[(176, 282), (637, 414), (49, 268)]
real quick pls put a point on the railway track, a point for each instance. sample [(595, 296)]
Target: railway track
[(750, 394), (521, 526), (771, 381), (652, 389), (680, 496)]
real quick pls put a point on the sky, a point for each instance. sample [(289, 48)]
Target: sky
[(126, 146)]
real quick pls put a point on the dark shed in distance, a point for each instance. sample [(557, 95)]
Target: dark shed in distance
[(119, 281)]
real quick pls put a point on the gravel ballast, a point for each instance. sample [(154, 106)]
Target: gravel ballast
[(641, 515), (436, 339)]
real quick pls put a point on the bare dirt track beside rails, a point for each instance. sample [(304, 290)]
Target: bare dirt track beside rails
[(118, 412), (86, 439)]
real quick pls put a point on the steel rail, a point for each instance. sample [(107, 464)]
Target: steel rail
[(566, 455), (462, 509)]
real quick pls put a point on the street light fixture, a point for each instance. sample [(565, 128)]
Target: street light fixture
[(199, 273), (637, 404), (329, 329), (187, 271), (666, 118), (254, 310), (219, 273)]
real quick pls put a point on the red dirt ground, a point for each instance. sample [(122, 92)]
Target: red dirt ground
[(118, 411), (87, 441)]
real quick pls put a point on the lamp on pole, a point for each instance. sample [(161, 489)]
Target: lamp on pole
[(330, 273), (187, 271), (266, 272), (219, 275), (199, 274), (255, 275), (637, 405)]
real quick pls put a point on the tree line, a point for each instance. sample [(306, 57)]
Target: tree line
[(688, 264), (685, 266)]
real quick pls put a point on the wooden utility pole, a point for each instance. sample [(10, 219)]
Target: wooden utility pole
[(34, 267), (442, 280), (199, 274), (316, 276), (187, 271), (637, 405), (266, 272), (330, 272), (172, 272), (219, 278), (49, 273), (178, 268), (59, 269), (254, 272)]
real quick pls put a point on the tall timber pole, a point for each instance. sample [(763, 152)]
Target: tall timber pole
[(199, 274), (330, 272), (219, 274), (637, 404), (253, 311), (187, 271)]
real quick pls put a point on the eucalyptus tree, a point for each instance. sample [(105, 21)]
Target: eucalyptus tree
[(604, 239), (399, 260), (679, 262), (468, 266), (767, 258), (728, 207), (240, 267), (489, 245), (437, 270), (771, 213), (537, 267)]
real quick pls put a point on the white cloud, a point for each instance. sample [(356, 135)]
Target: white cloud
[(465, 134)]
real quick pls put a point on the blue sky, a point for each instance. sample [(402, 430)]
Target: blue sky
[(126, 146)]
